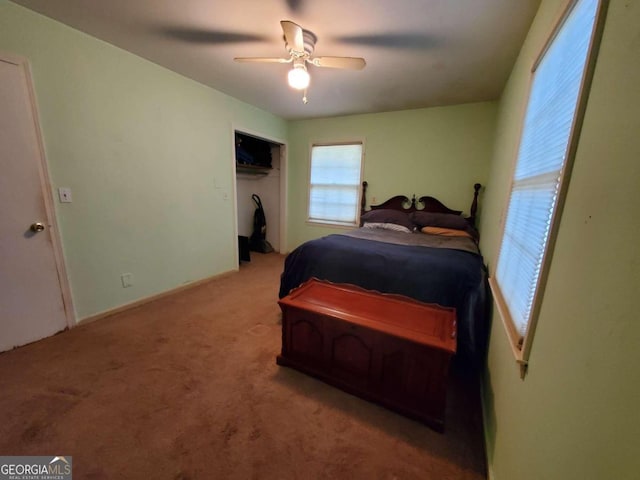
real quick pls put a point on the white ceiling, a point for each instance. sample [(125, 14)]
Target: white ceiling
[(419, 53)]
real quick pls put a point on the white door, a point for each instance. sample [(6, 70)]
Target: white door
[(31, 273)]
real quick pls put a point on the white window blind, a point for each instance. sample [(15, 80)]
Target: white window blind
[(335, 183), (542, 157)]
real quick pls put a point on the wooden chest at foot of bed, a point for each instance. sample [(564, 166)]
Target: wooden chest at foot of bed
[(385, 348)]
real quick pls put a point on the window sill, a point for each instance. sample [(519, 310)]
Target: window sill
[(514, 338), (327, 223)]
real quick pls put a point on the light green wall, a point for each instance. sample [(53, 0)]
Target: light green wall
[(575, 416), (439, 151), (147, 154)]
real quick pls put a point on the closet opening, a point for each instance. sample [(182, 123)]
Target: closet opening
[(259, 167)]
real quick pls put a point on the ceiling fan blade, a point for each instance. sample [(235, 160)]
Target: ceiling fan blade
[(263, 59), (352, 63), (293, 35), (212, 37), (404, 41), (295, 5)]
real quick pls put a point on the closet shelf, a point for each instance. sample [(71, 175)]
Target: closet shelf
[(252, 169)]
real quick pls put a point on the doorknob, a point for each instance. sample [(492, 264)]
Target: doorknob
[(37, 227)]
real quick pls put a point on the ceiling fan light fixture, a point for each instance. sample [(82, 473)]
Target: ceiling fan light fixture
[(298, 77), (300, 45)]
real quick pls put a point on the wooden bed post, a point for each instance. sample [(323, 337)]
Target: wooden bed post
[(474, 204), (363, 201)]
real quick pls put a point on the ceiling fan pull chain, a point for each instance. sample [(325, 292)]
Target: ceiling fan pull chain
[(304, 97)]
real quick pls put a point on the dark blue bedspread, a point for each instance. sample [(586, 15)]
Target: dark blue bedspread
[(447, 277)]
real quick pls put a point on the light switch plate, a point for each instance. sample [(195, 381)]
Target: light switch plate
[(127, 280), (65, 195)]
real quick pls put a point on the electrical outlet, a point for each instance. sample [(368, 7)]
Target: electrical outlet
[(127, 279), (64, 193)]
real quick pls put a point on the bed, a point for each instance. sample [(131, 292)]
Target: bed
[(419, 248)]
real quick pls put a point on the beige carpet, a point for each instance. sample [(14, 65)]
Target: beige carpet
[(187, 388)]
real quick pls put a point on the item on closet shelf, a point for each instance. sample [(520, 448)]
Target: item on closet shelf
[(243, 157)]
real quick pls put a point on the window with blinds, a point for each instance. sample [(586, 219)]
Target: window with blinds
[(549, 135), (334, 185)]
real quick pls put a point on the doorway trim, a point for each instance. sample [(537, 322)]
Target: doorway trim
[(47, 192), (284, 148)]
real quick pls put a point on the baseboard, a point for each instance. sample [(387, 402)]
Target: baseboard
[(489, 471), (151, 298)]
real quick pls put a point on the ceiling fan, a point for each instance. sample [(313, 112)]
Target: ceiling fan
[(300, 44)]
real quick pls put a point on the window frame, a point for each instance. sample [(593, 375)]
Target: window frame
[(521, 344), (337, 224)]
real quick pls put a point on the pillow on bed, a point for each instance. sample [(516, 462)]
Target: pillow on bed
[(387, 226), (446, 232), (385, 215), (444, 220)]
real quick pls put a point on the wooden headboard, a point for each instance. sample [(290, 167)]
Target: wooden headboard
[(423, 204)]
